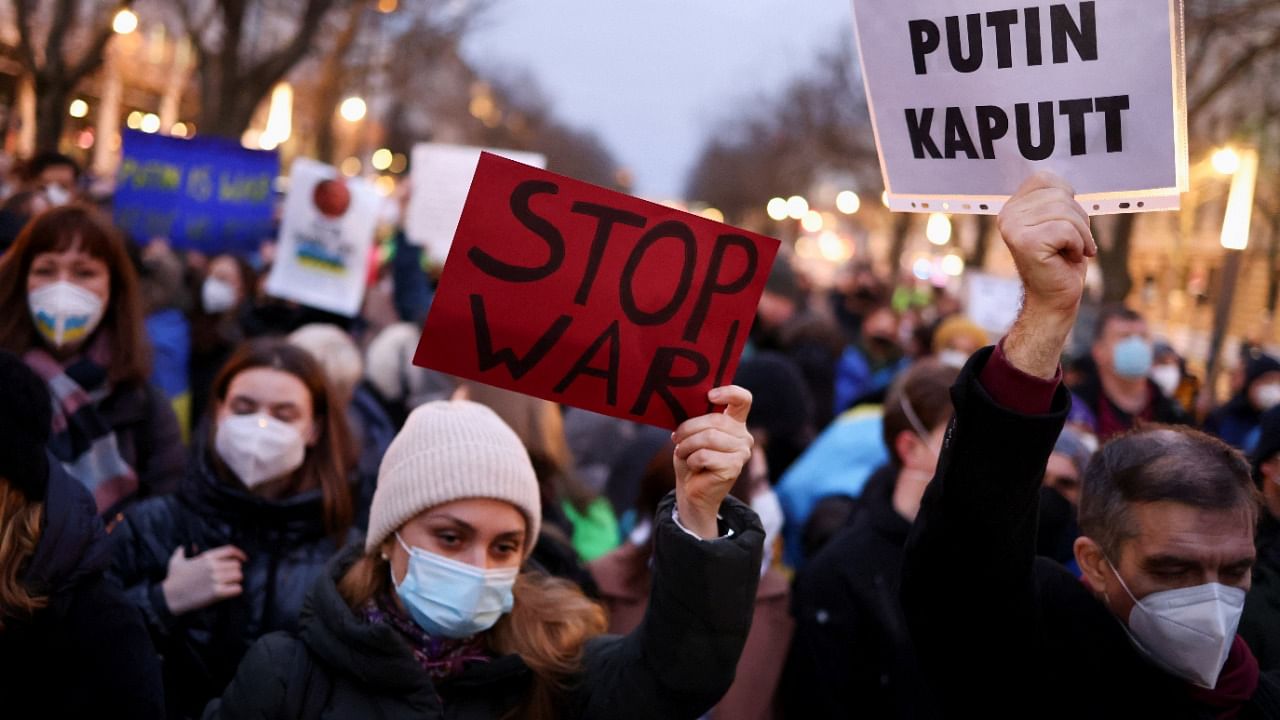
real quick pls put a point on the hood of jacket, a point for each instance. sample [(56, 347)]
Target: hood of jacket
[(72, 544)]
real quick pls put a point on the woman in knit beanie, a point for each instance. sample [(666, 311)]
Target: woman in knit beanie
[(441, 615)]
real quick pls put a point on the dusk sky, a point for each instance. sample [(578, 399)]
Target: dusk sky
[(653, 77)]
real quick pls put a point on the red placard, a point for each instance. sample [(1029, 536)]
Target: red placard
[(581, 295)]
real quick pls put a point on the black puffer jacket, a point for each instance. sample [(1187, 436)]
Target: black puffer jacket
[(86, 654), (677, 664), (287, 549)]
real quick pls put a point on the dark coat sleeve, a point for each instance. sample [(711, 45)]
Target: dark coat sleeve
[(832, 664), (142, 540), (968, 586), (682, 658), (117, 665), (259, 689)]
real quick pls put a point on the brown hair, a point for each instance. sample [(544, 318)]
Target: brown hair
[(59, 230), (1161, 463), (548, 627), (19, 533), (329, 461), (926, 389)]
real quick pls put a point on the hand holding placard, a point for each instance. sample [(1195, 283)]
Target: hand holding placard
[(710, 453), (1048, 234)]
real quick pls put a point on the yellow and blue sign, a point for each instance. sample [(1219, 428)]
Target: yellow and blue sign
[(206, 194)]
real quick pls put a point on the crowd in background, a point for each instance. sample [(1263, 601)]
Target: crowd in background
[(223, 466)]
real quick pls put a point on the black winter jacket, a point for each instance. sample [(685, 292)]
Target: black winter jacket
[(851, 654), (85, 654), (675, 666), (999, 632), (287, 549), (1260, 624)]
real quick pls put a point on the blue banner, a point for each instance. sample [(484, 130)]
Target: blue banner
[(206, 194)]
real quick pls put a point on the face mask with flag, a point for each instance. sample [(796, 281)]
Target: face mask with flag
[(65, 313)]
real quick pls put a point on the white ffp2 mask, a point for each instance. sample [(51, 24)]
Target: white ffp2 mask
[(217, 296), (1187, 631), (258, 448)]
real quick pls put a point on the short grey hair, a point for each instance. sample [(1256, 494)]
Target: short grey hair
[(1161, 463)]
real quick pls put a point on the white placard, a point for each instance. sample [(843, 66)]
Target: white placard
[(325, 238), (440, 177), (970, 97), (993, 302)]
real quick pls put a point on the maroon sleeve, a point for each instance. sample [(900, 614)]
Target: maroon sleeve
[(1015, 390)]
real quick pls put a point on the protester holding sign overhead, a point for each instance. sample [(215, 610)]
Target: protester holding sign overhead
[(436, 619), (70, 307), (266, 504), (1167, 519)]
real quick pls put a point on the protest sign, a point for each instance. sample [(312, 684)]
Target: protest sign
[(969, 97), (993, 301), (585, 296), (325, 237), (440, 177), (206, 194)]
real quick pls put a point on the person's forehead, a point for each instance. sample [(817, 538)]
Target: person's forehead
[(268, 385), (1060, 464), (1208, 536), (75, 253), (1120, 327), (58, 171)]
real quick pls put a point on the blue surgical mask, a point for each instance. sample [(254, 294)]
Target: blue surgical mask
[(452, 599), (1132, 357)]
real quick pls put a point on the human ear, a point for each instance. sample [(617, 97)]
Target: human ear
[(1093, 562)]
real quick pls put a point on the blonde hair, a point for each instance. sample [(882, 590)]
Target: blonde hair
[(548, 627), (19, 534), (336, 353)]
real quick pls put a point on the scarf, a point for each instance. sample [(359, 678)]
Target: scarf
[(442, 658), (81, 439), (1236, 684)]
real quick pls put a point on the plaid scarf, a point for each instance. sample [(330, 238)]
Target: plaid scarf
[(441, 657), (81, 439)]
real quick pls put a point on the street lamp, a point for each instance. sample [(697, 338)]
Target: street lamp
[(381, 159), (125, 22), (1235, 225), (79, 108), (777, 209), (1226, 161), (848, 202), (797, 207), (939, 229), (812, 221), (353, 109), (1235, 238)]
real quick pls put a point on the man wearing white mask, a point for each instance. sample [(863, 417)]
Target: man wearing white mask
[(1167, 519)]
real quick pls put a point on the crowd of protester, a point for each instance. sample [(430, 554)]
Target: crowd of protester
[(219, 504)]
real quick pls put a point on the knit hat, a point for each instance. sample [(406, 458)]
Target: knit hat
[(24, 427), (452, 451)]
